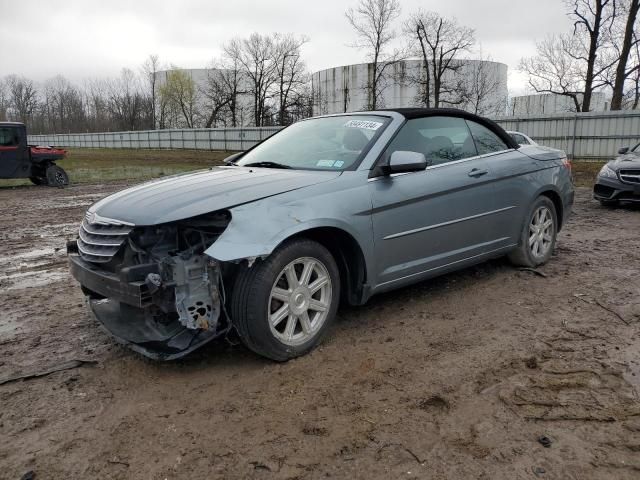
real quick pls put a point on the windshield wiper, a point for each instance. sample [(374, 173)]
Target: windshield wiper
[(266, 165)]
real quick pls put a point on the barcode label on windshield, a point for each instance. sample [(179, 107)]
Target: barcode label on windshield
[(365, 124)]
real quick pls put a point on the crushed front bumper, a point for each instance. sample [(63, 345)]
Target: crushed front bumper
[(612, 190), (123, 309)]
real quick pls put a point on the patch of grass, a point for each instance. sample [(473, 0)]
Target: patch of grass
[(88, 165), (584, 173)]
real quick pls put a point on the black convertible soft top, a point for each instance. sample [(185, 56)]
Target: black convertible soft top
[(411, 113)]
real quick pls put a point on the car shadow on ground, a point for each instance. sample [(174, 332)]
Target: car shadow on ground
[(632, 207), (229, 351)]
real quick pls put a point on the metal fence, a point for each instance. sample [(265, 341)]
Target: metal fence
[(584, 136), (592, 136), (229, 139)]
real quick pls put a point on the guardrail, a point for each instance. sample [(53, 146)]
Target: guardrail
[(593, 136)]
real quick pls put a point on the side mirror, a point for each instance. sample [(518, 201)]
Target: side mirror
[(623, 151), (403, 161)]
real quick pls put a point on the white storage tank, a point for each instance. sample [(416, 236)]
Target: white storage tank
[(479, 86)]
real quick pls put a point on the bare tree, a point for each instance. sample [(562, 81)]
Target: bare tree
[(301, 104), (623, 44), (290, 71), (372, 21), (150, 69), (233, 78), (632, 96), (217, 97), (256, 56), (23, 97), (63, 106), (556, 68), (98, 118), (4, 100), (591, 19), (126, 103), (439, 42), (482, 88)]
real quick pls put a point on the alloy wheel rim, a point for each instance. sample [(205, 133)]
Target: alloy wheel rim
[(541, 232), (299, 301)]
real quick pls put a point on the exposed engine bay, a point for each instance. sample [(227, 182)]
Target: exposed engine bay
[(153, 287)]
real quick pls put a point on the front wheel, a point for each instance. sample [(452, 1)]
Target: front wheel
[(538, 237), (56, 176), (283, 306)]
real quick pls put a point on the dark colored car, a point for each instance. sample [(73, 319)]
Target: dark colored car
[(333, 208), (20, 160), (619, 180)]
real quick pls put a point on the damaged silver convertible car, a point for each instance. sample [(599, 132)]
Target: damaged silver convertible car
[(330, 209)]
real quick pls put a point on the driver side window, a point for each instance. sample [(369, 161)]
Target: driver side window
[(8, 137), (440, 139)]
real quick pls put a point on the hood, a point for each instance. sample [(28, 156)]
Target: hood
[(628, 160), (192, 194)]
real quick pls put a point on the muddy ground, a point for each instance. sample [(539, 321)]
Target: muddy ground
[(453, 378)]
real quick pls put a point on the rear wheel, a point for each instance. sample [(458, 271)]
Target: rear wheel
[(538, 237), (283, 306), (57, 177)]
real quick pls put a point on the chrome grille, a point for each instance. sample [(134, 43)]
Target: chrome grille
[(630, 176), (100, 238)]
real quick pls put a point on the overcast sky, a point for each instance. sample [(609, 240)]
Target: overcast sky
[(88, 38)]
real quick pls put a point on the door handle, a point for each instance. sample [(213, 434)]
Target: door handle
[(476, 172)]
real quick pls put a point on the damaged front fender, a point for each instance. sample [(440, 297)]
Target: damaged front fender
[(256, 229)]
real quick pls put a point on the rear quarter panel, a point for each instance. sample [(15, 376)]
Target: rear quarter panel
[(520, 179)]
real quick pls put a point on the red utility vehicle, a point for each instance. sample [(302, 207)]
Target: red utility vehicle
[(20, 160)]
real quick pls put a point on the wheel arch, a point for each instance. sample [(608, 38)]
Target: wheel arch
[(347, 253), (557, 203)]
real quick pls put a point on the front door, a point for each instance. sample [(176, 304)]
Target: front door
[(424, 222), (11, 161)]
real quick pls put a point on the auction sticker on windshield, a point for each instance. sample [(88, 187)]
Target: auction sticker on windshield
[(366, 124)]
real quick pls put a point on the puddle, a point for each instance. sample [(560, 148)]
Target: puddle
[(90, 196), (33, 268), (31, 254), (64, 204), (59, 230), (20, 280)]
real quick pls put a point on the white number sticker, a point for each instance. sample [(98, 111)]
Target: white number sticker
[(365, 124)]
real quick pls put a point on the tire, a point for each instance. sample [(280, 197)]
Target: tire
[(57, 177), (609, 203), (537, 224), (38, 180), (265, 291)]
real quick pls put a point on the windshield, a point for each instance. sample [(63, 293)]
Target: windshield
[(328, 143)]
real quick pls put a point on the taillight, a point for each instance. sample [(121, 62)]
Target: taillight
[(567, 163)]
